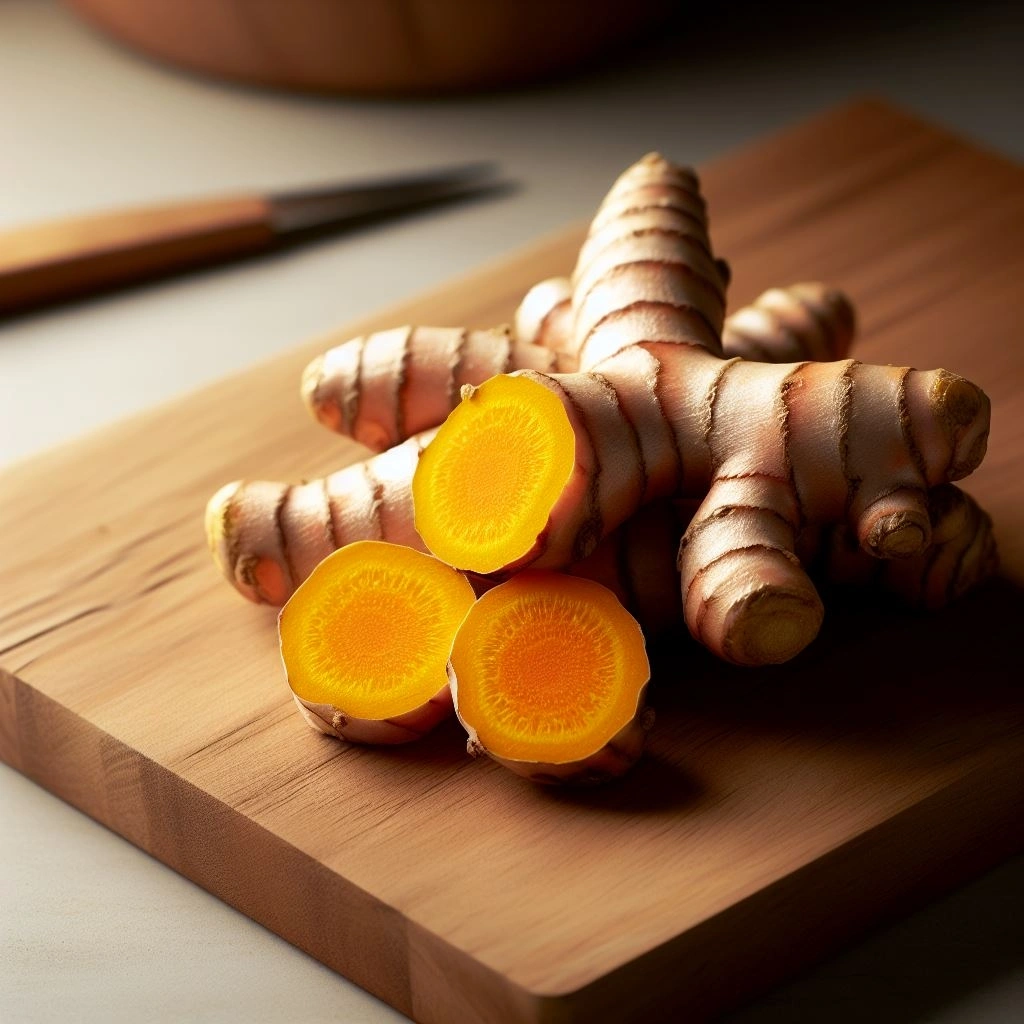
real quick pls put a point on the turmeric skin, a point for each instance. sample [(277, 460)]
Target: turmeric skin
[(804, 321), (385, 387)]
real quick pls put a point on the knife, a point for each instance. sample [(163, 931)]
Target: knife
[(70, 258)]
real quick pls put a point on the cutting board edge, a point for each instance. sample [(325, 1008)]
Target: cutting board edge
[(82, 747), (955, 858), (429, 961)]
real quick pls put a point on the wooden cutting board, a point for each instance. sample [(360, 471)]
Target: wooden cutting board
[(778, 813)]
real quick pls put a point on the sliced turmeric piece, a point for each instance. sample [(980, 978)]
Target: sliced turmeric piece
[(548, 674), (483, 497), (366, 638)]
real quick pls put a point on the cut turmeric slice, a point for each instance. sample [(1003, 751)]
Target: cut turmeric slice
[(366, 638), (548, 675), (485, 487)]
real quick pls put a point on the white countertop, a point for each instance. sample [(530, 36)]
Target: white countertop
[(91, 929)]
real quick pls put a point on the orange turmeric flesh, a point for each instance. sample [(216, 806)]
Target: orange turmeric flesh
[(485, 486), (370, 631), (547, 668)]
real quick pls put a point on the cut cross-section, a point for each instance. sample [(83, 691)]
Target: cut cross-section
[(366, 638), (548, 673), (485, 486)]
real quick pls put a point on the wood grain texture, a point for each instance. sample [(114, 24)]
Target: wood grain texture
[(778, 813)]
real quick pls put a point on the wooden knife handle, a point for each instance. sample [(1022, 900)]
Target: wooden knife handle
[(45, 263)]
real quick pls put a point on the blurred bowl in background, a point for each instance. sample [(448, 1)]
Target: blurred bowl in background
[(376, 47)]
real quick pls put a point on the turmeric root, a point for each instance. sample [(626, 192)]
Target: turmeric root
[(806, 321), (803, 321), (366, 638), (387, 386), (548, 674), (267, 537), (773, 448), (637, 562), (544, 318), (646, 269), (962, 554)]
